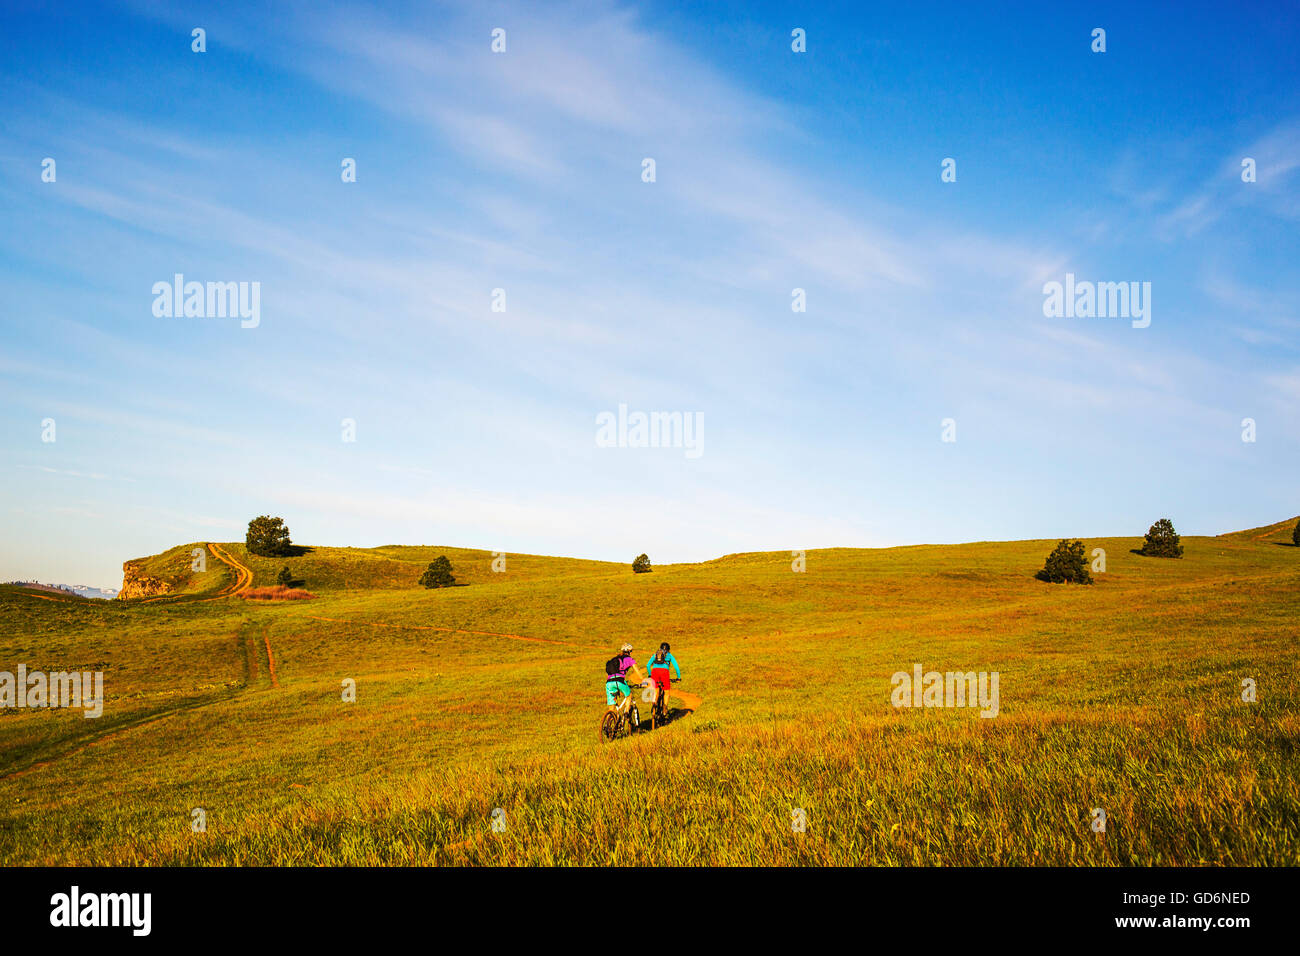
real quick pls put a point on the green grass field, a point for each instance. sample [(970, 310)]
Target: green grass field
[(1124, 696)]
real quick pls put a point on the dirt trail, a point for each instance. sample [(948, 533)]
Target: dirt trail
[(270, 661), (243, 581), (47, 597), (684, 698), (243, 575)]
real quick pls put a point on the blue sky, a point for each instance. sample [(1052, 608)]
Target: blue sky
[(522, 171)]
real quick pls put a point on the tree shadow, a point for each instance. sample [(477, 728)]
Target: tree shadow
[(297, 551)]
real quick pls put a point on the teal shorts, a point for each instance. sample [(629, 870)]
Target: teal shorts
[(613, 687)]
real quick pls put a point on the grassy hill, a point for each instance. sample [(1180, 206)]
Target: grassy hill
[(170, 572), (326, 569), (1124, 696), (400, 566)]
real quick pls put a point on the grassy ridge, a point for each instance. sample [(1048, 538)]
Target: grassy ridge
[(1124, 696), (400, 566)]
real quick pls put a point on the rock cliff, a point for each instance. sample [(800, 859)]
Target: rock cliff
[(137, 584)]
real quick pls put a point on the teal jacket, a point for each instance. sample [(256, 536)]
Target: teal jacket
[(668, 659)]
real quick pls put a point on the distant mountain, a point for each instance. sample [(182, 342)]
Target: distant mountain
[(81, 590), (86, 591)]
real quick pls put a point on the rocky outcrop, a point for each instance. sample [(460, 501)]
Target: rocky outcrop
[(137, 584)]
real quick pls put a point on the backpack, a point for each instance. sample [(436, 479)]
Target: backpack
[(614, 666)]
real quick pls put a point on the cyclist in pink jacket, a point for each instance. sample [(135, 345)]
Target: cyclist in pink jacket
[(616, 671)]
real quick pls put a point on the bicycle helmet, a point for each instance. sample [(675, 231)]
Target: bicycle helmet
[(626, 648), (664, 647)]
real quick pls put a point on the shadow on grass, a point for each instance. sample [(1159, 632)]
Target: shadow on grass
[(23, 758), (674, 714)]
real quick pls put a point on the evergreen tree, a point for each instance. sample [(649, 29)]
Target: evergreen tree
[(1162, 541), (438, 574), (1066, 564)]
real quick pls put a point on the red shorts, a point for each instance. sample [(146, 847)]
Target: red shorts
[(662, 679)]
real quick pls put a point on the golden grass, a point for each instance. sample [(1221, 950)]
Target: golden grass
[(276, 592), (1125, 696)]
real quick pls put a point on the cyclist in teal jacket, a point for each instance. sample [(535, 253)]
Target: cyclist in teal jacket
[(658, 667)]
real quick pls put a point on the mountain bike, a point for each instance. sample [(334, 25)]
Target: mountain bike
[(623, 721), (659, 710)]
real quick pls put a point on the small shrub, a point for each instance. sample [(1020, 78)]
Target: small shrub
[(1066, 564), (642, 564), (438, 574), (285, 577), (1295, 535), (1162, 541)]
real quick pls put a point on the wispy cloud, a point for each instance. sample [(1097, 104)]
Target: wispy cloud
[(75, 474), (522, 171)]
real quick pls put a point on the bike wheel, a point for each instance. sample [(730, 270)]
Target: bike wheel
[(608, 727)]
